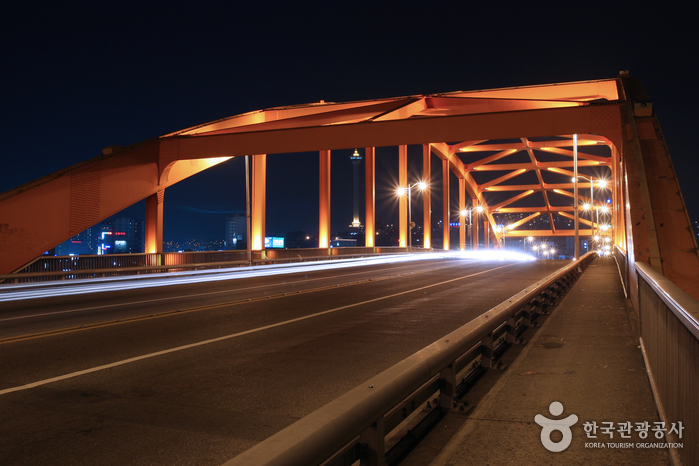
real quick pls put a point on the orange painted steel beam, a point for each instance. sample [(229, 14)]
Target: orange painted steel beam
[(545, 233), (475, 216), (513, 199), (154, 222), (427, 196), (403, 200), (446, 217), (259, 201), (601, 120), (659, 231), (324, 201), (524, 220), (517, 166), (580, 91), (462, 218), (369, 197), (74, 199)]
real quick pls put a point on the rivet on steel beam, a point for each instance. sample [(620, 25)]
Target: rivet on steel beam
[(371, 386)]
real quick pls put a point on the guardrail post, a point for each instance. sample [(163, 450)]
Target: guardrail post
[(447, 386), (373, 446), (511, 329), (487, 353)]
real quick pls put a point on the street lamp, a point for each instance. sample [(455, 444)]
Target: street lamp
[(401, 192), (530, 239), (601, 184)]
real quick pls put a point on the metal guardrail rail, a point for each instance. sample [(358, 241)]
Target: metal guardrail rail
[(669, 326), (87, 266), (354, 426)]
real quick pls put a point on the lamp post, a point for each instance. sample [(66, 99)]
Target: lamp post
[(601, 184), (401, 192)]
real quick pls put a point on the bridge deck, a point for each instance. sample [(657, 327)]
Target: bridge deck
[(585, 355)]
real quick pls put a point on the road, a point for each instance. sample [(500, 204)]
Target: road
[(194, 373)]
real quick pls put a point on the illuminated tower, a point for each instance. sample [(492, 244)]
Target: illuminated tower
[(356, 160)]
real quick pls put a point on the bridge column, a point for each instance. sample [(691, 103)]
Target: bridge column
[(369, 197), (462, 218), (474, 230), (154, 222), (324, 201), (426, 197), (486, 232), (259, 200), (445, 203), (403, 200)]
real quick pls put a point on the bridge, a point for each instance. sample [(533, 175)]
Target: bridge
[(529, 151)]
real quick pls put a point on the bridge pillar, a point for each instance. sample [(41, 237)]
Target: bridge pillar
[(462, 218), (324, 201), (154, 222), (474, 219), (486, 232), (369, 197), (445, 203), (426, 197), (403, 200), (259, 200)]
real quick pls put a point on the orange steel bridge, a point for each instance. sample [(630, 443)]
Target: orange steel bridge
[(511, 150)]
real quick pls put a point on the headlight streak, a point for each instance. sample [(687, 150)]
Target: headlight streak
[(14, 292)]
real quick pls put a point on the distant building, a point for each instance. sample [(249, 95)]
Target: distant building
[(121, 235), (236, 231), (82, 243)]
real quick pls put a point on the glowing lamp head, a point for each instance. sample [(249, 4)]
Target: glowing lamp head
[(422, 186), (480, 209), (586, 206), (572, 179), (401, 191), (604, 209), (601, 183), (530, 238), (464, 213), (596, 237)]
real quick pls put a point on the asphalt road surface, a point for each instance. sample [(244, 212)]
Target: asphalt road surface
[(194, 371)]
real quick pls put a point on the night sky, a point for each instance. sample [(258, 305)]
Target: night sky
[(80, 76)]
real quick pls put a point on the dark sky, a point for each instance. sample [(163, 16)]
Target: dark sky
[(80, 76)]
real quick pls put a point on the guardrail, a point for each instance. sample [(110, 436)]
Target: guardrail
[(669, 327), (354, 426), (87, 266)]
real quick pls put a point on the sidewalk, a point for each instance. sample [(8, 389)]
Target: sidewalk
[(586, 356)]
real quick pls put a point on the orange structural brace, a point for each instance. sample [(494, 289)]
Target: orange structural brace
[(446, 217), (462, 216), (324, 201), (259, 201), (426, 196), (403, 200), (154, 222), (370, 196)]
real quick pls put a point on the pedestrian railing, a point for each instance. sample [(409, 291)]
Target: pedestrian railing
[(354, 426), (669, 327)]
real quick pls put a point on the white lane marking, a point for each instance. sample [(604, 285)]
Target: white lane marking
[(228, 337), (197, 295)]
